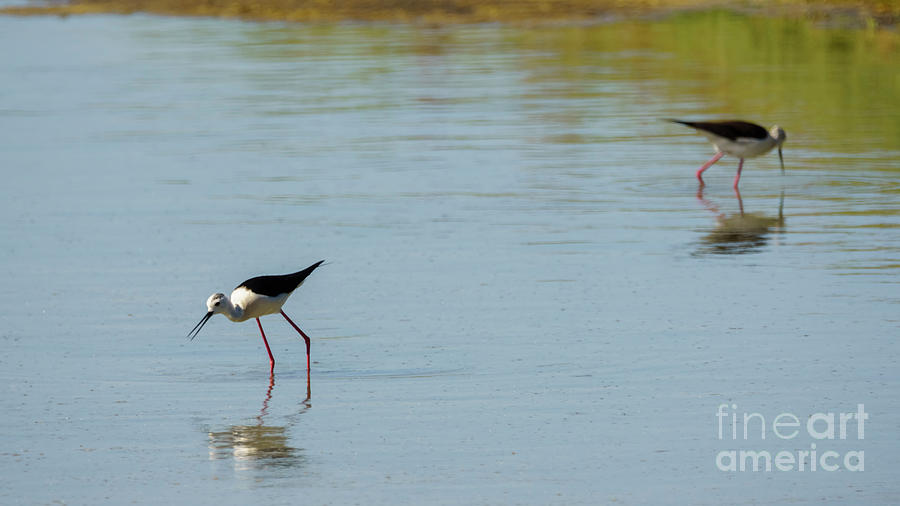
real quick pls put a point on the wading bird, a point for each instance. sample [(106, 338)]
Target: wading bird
[(740, 139), (257, 297)]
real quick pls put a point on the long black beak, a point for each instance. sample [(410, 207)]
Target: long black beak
[(781, 159), (197, 327)]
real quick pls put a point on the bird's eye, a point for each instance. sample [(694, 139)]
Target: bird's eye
[(217, 303)]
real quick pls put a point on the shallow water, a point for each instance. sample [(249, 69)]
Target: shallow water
[(527, 298)]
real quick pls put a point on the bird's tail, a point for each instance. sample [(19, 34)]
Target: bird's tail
[(686, 123), (300, 276)]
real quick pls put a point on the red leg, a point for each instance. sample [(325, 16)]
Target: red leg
[(737, 193), (305, 338), (709, 164), (737, 178), (271, 358)]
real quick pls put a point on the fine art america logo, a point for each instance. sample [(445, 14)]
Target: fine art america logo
[(787, 426)]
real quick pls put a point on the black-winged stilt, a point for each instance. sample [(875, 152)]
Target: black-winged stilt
[(740, 139), (257, 297)]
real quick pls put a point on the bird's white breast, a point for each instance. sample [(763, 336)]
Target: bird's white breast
[(743, 147), (255, 305)]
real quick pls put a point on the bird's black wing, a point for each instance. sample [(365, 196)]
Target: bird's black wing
[(731, 130), (274, 286)]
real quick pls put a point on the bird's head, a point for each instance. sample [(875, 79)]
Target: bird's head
[(778, 134), (216, 303)]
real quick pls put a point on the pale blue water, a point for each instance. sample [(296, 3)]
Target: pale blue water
[(526, 301)]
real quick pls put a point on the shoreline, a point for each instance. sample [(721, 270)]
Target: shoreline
[(868, 14)]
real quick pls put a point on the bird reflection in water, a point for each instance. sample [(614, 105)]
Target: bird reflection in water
[(740, 232), (259, 446)]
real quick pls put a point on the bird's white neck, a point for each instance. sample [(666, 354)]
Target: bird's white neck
[(231, 311)]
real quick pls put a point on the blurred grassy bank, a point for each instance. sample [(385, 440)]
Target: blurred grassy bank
[(862, 13)]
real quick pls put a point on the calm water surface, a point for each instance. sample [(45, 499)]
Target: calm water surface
[(528, 298)]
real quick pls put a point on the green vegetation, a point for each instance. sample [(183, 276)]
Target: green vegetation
[(857, 12)]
